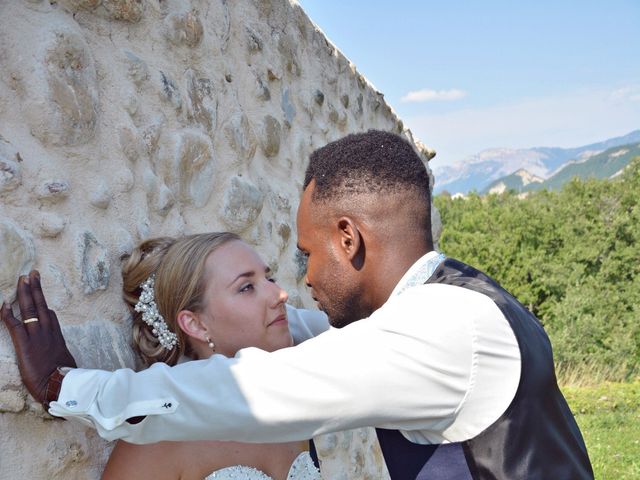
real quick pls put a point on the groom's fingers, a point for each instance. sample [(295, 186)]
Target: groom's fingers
[(8, 318), (15, 326), (40, 303), (27, 307)]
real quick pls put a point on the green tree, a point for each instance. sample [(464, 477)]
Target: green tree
[(572, 257)]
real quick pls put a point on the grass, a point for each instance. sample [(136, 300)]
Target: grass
[(609, 418)]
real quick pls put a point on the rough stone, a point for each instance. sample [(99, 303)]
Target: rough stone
[(123, 242), (240, 136), (131, 105), (318, 97), (59, 297), (93, 263), (359, 108), (280, 202), (295, 299), (284, 231), (12, 393), (362, 82), (262, 91), (337, 117), (426, 152), (50, 224), (75, 6), (201, 103), (159, 196), (143, 228), (105, 345), (271, 133), (100, 196), (17, 254), (186, 164), (169, 92), (131, 143), (353, 453), (123, 180), (69, 115), (151, 135), (287, 48), (62, 455), (221, 27), (254, 41), (242, 204), (10, 169), (274, 73), (183, 29), (125, 10), (300, 260), (53, 190), (137, 68), (344, 99), (288, 108)]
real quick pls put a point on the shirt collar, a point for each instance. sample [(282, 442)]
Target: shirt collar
[(419, 272)]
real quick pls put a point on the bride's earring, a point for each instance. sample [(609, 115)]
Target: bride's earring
[(212, 346)]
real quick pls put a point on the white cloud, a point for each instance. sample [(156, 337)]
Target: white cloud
[(428, 95), (631, 93), (570, 120)]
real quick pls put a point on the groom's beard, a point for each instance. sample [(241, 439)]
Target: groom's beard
[(344, 311)]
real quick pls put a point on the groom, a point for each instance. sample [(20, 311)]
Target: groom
[(454, 372)]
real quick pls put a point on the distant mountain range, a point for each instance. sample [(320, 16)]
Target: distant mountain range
[(522, 167), (607, 164)]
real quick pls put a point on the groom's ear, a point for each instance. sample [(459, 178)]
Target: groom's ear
[(191, 325), (351, 241)]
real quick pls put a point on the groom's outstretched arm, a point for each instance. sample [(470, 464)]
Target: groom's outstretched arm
[(388, 370), (376, 372)]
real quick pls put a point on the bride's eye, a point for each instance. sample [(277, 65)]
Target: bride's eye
[(246, 288), (272, 280)]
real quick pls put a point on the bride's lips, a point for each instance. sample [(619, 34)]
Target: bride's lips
[(279, 320)]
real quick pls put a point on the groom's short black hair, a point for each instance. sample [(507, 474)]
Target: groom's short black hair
[(370, 162), (375, 162)]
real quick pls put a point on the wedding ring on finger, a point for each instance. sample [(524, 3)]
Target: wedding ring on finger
[(31, 320)]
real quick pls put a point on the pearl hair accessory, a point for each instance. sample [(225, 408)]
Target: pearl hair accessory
[(151, 316)]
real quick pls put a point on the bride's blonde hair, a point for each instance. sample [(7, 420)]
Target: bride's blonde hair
[(179, 265)]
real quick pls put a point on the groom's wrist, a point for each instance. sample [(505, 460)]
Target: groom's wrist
[(53, 387)]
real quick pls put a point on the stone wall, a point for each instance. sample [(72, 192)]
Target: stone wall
[(125, 119)]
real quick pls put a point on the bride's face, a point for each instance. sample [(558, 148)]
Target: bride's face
[(244, 307)]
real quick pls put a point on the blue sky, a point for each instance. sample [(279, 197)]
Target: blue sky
[(470, 75)]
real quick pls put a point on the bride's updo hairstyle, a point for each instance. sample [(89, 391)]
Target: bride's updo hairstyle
[(178, 264)]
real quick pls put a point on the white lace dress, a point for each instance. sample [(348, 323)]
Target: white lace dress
[(302, 468)]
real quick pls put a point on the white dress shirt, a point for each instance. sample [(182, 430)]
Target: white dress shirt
[(437, 362)]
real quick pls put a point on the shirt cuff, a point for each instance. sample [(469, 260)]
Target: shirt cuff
[(80, 400)]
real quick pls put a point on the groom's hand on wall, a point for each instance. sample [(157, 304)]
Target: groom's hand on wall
[(37, 338)]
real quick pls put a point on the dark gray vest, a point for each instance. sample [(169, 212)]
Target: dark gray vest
[(535, 438)]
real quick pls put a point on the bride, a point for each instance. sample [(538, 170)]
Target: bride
[(193, 297)]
